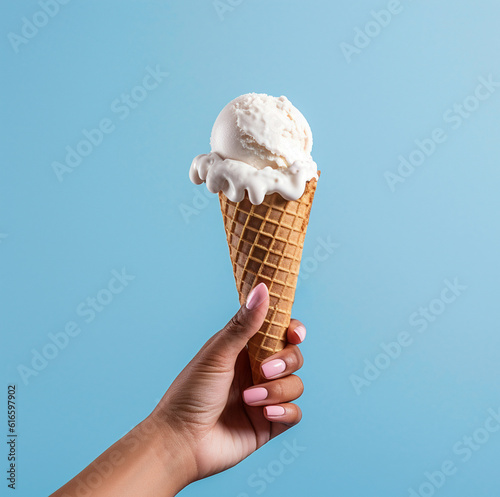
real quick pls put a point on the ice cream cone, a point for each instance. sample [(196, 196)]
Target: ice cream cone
[(265, 244)]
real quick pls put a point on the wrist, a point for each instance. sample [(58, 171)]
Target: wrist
[(174, 458), (148, 461)]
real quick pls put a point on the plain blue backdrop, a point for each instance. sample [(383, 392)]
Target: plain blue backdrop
[(129, 204)]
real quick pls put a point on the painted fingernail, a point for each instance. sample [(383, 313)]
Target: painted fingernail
[(300, 331), (273, 368), (254, 395), (274, 411), (257, 296)]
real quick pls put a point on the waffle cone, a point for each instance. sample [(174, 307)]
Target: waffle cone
[(265, 244)]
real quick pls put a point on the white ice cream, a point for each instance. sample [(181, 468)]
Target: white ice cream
[(261, 145)]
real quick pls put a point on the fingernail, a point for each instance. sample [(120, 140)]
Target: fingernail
[(300, 331), (274, 411), (273, 368), (257, 296), (254, 395)]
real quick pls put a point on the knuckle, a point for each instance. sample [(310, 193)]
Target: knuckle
[(298, 414), (236, 323), (299, 384), (291, 363), (294, 360), (278, 390), (299, 358)]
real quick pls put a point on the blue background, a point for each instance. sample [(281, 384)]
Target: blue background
[(122, 208)]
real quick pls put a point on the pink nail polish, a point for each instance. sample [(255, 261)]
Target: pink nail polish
[(257, 296), (273, 368), (274, 411), (253, 395), (300, 331)]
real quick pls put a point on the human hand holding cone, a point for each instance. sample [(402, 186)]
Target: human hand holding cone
[(265, 231)]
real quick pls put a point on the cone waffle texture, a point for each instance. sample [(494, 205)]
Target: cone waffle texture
[(265, 244)]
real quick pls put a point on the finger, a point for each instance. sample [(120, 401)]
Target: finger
[(274, 392), (296, 332), (283, 363), (229, 342), (289, 414)]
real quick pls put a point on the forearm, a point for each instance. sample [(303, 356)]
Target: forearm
[(149, 461)]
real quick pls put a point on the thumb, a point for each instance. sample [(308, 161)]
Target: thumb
[(230, 341)]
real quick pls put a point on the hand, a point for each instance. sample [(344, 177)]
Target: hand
[(213, 409), (210, 419)]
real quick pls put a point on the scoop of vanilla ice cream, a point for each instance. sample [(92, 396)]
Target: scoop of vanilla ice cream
[(262, 131), (260, 145)]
